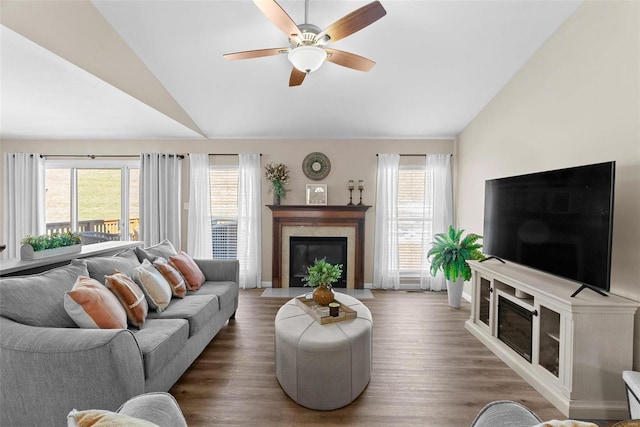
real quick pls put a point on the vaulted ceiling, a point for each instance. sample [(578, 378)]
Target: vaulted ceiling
[(154, 69)]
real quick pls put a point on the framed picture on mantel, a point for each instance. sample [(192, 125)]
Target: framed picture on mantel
[(316, 194)]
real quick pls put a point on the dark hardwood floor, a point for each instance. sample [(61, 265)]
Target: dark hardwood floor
[(427, 370)]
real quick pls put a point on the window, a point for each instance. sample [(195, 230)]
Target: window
[(223, 185), (97, 198), (411, 219)]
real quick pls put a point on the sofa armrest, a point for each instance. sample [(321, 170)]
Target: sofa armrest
[(158, 408), (219, 270), (46, 372)]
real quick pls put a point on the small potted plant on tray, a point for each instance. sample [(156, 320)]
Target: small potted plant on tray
[(449, 253), (321, 275)]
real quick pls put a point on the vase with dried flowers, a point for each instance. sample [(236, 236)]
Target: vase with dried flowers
[(278, 176)]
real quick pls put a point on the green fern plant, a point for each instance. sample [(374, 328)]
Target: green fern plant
[(450, 251), (322, 273)]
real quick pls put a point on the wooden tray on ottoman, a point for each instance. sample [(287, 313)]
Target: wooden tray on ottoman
[(321, 312)]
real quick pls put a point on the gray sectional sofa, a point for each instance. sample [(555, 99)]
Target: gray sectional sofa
[(48, 365)]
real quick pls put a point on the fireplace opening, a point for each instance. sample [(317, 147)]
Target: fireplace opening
[(515, 327), (304, 251)]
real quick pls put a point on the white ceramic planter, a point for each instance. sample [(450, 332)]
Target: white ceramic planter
[(454, 292), (28, 254)]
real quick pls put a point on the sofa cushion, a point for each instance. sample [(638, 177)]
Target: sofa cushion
[(190, 271), (91, 305), (163, 249), (38, 299), (100, 418), (159, 341), (227, 292), (197, 309), (155, 287), (131, 297), (173, 276), (124, 262)]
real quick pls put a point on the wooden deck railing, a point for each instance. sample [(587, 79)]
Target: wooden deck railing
[(111, 226)]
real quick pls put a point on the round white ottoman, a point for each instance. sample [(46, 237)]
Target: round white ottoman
[(327, 366)]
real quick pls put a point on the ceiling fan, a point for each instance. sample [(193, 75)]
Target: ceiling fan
[(307, 49)]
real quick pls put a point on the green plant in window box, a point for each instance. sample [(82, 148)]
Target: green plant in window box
[(55, 240)]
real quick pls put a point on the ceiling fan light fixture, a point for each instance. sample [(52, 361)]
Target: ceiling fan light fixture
[(307, 58)]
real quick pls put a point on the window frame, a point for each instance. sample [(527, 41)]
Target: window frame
[(233, 219), (74, 165)]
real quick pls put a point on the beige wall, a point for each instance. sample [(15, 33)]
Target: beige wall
[(576, 101), (350, 159)]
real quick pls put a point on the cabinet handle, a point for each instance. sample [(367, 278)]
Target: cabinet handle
[(535, 313), (490, 290)]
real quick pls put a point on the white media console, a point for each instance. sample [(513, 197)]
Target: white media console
[(571, 350)]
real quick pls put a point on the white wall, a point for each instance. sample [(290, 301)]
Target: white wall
[(576, 101), (350, 159)]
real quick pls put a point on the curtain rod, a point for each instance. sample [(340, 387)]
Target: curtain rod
[(228, 154), (94, 156), (416, 155)]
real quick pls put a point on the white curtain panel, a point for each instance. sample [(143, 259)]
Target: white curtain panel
[(199, 225), (160, 200), (386, 267), (249, 220), (438, 211), (23, 200)]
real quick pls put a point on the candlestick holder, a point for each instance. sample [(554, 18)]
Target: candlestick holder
[(361, 188), (350, 187)]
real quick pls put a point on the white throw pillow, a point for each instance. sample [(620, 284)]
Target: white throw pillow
[(155, 287)]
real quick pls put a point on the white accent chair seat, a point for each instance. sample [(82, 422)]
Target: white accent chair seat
[(323, 367)]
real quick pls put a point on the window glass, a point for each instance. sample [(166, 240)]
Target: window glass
[(134, 204), (410, 217), (99, 201), (223, 185), (58, 199)]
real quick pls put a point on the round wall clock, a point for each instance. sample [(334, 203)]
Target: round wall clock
[(316, 166)]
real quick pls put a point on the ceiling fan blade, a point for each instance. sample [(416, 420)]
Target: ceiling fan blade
[(349, 60), (353, 22), (297, 77), (248, 54), (279, 17)]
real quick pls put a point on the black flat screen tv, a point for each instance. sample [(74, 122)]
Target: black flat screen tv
[(559, 221)]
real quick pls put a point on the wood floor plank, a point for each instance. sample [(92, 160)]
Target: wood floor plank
[(427, 370)]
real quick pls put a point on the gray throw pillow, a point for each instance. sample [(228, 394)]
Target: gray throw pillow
[(124, 262), (38, 299), (163, 249)]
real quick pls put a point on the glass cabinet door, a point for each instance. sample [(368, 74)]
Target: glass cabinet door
[(549, 351), (485, 301)]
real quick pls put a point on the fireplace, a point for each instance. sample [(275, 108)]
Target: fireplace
[(515, 326), (304, 250), (345, 222)]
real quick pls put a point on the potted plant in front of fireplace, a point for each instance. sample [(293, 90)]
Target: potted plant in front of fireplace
[(449, 253), (36, 247), (321, 275), (278, 176)]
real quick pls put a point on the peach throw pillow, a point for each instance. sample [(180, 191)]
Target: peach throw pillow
[(173, 276), (192, 274), (91, 305), (130, 296)]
